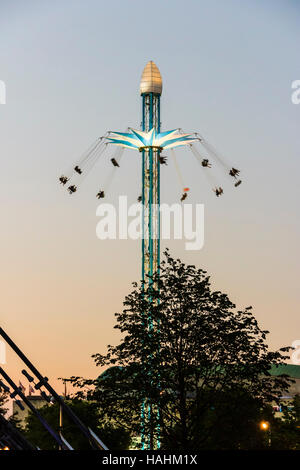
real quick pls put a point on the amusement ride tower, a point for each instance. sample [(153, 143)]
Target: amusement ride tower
[(151, 89), (150, 142)]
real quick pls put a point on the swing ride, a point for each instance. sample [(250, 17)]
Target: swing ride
[(150, 142), (92, 156)]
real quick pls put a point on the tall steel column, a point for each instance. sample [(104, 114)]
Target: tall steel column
[(150, 142), (151, 88)]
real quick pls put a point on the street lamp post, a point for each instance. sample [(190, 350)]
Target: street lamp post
[(266, 427)]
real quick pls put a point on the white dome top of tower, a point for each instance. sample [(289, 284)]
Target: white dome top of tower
[(151, 81)]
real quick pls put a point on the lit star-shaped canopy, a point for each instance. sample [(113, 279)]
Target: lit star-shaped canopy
[(140, 140)]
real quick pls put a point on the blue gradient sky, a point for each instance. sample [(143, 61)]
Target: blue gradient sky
[(72, 71)]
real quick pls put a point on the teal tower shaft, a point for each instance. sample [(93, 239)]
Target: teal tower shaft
[(149, 141), (151, 88)]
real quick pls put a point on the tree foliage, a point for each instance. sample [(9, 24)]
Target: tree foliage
[(285, 431), (184, 349), (3, 402), (88, 412)]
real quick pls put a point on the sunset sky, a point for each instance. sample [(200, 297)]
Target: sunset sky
[(72, 71)]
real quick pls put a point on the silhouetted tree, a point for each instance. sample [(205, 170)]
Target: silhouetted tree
[(285, 431), (3, 402), (184, 349), (112, 436)]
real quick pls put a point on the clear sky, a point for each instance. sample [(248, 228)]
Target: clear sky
[(72, 70)]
